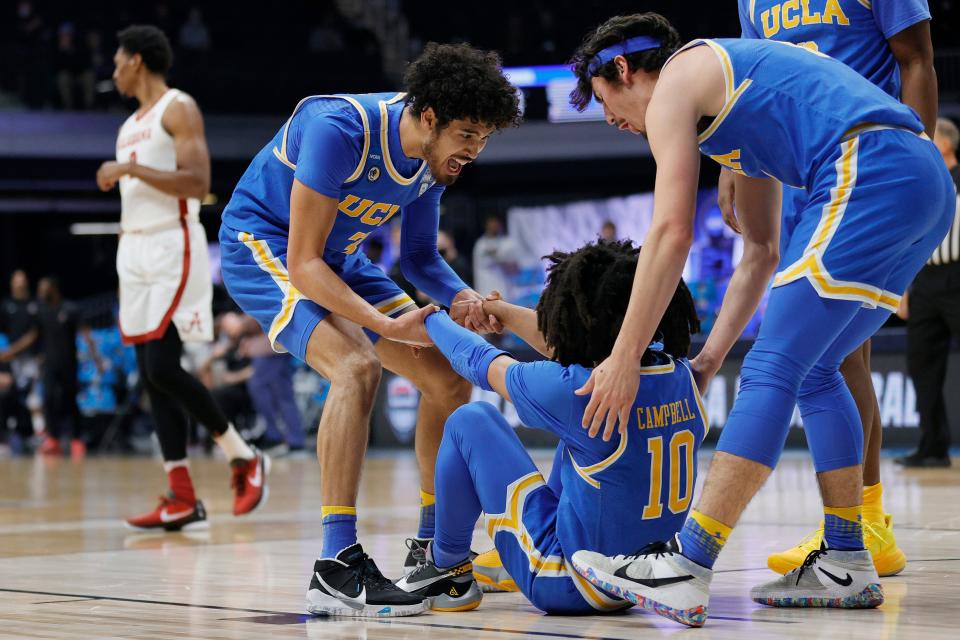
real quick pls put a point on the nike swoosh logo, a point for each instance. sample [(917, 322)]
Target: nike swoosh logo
[(654, 583), (843, 582), (408, 586), (257, 479), (358, 602), (167, 517)]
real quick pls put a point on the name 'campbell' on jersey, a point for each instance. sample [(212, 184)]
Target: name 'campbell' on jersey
[(346, 147), (638, 487)]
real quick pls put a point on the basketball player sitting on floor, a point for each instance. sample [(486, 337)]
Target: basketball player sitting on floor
[(617, 494)]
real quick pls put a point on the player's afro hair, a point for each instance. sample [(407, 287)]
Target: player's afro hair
[(152, 45), (461, 83), (617, 29), (583, 304)]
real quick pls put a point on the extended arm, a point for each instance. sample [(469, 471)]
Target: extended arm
[(758, 205), (521, 320), (420, 260), (470, 355), (671, 126), (422, 264), (312, 215), (914, 53)]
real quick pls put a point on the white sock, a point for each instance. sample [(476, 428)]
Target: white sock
[(173, 464), (233, 445)]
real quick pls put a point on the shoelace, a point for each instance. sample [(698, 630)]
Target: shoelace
[(656, 549), (370, 574), (809, 562), (417, 550)]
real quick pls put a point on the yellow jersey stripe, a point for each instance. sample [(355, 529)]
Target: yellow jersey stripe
[(269, 263), (727, 65), (385, 145), (609, 460), (583, 476), (394, 303), (283, 159), (725, 111), (840, 195), (281, 154)]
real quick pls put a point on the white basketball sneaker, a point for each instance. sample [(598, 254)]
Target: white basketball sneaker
[(827, 578), (657, 578)]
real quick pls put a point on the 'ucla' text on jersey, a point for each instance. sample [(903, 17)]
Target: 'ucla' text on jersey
[(376, 189), (855, 32)]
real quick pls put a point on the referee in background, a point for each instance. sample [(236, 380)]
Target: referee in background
[(933, 319)]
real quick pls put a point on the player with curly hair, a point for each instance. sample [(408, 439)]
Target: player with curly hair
[(341, 166), (615, 495)]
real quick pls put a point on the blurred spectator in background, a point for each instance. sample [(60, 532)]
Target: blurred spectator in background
[(933, 318), (74, 70), (327, 37), (494, 259), (29, 59), (58, 320), (194, 35), (271, 388), (256, 380), (228, 381), (18, 322), (608, 232), (448, 251)]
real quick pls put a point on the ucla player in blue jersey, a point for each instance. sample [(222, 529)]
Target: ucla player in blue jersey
[(339, 168), (611, 496), (888, 43), (773, 113)]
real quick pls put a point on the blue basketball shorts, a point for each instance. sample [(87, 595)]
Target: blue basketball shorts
[(255, 272)]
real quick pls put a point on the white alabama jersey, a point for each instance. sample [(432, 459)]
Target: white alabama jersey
[(142, 139)]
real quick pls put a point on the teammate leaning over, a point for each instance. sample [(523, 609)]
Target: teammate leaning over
[(772, 112), (608, 496), (888, 43), (163, 168), (340, 167)]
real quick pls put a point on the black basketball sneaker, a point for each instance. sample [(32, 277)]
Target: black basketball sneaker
[(352, 585), (452, 589)]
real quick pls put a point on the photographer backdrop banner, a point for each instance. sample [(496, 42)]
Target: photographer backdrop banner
[(394, 416)]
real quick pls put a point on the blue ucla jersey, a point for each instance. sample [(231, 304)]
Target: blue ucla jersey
[(346, 147), (788, 108), (855, 32), (618, 495)]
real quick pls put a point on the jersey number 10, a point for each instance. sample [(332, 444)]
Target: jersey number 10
[(677, 503)]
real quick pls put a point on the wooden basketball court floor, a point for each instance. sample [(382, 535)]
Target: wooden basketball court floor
[(68, 569)]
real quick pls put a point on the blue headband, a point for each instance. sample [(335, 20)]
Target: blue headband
[(632, 45)]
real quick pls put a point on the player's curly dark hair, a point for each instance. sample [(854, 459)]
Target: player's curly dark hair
[(617, 29), (152, 45), (461, 83), (582, 307)]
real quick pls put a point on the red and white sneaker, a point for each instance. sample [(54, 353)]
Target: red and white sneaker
[(78, 450), (172, 514), (249, 483), (50, 446)]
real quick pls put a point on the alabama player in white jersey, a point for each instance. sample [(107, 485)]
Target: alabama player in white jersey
[(163, 168)]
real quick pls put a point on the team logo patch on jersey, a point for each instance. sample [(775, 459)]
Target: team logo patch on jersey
[(373, 174)]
